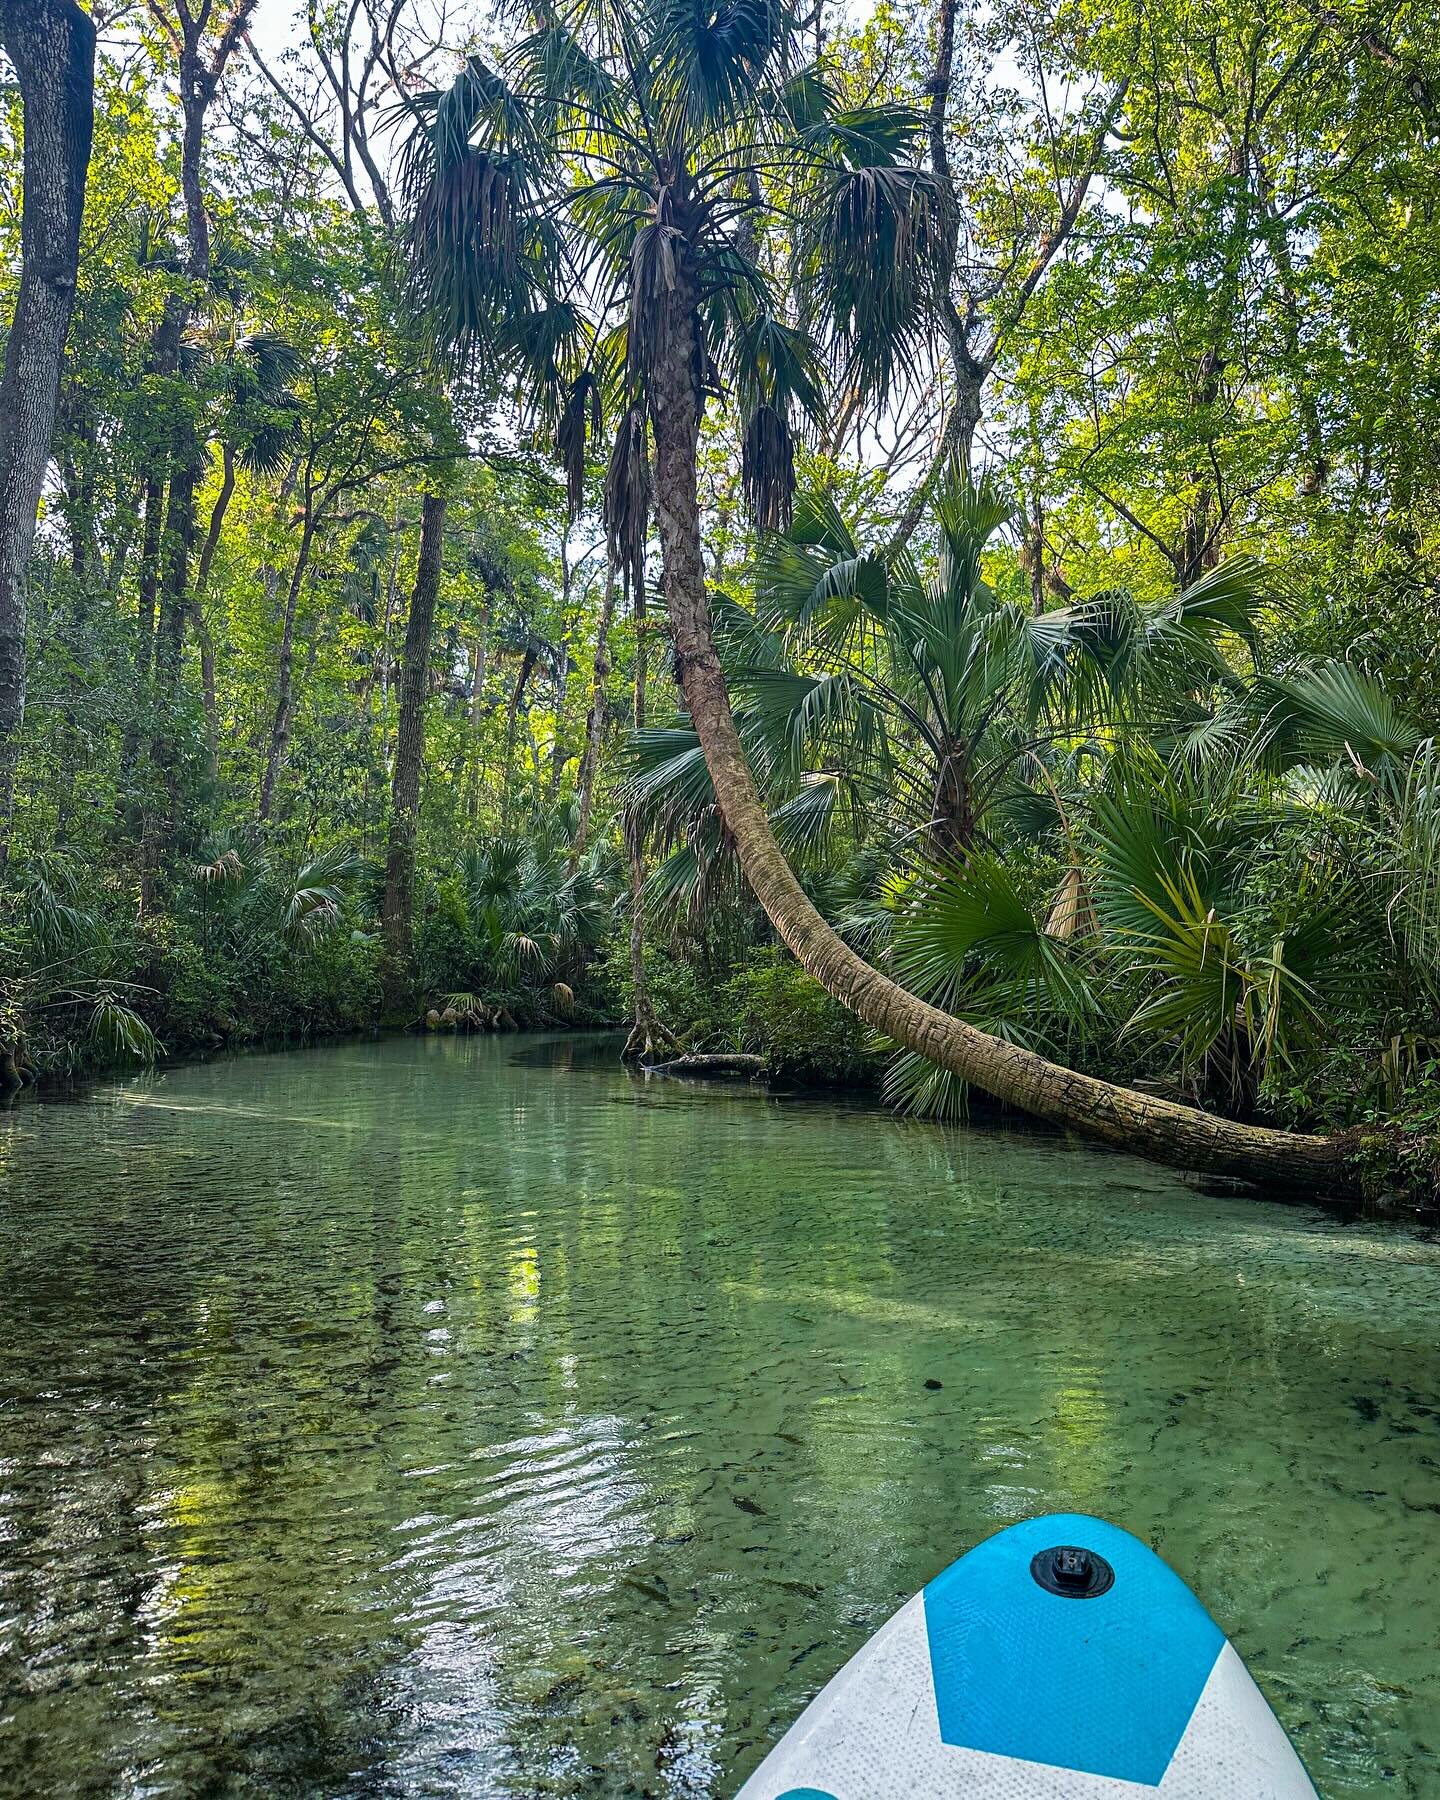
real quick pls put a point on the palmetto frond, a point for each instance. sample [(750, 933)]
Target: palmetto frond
[(117, 1030), (49, 888), (972, 943), (1334, 712), (480, 248), (711, 59), (523, 912), (311, 906), (1412, 869), (875, 234)]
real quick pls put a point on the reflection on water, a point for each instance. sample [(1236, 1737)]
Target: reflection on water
[(425, 1418)]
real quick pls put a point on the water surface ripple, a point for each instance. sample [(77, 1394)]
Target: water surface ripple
[(469, 1418)]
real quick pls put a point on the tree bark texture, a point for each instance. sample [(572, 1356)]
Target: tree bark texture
[(285, 674), (52, 45)]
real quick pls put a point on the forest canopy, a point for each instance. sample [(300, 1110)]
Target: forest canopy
[(1022, 420)]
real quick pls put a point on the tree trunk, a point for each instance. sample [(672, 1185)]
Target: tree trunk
[(392, 582), (1141, 1123), (642, 651), (130, 801), (149, 586), (397, 913), (527, 664), (169, 646), (951, 835), (52, 46), (478, 667), (285, 674), (595, 722), (559, 756), (646, 1031), (956, 448), (203, 635), (647, 1034)]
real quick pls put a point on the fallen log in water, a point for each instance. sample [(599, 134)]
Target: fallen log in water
[(721, 1063)]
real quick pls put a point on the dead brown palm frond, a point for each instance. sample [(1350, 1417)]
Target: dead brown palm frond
[(627, 497), (582, 410), (227, 866), (767, 468), (655, 269), (1072, 913)]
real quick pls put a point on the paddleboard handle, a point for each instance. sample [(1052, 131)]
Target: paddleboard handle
[(1072, 1572)]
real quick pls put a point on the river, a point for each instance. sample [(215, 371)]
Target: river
[(469, 1417)]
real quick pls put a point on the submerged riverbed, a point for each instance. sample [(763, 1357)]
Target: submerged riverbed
[(468, 1417)]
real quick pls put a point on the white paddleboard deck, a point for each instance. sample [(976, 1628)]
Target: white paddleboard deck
[(1019, 1676)]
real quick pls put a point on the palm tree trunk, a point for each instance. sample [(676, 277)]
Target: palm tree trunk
[(646, 1031), (397, 910), (642, 652), (951, 836), (1181, 1136), (51, 44)]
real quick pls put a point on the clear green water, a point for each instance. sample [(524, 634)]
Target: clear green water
[(468, 1418)]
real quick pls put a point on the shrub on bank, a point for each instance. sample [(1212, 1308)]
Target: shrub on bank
[(1397, 1149), (764, 1004), (779, 1012)]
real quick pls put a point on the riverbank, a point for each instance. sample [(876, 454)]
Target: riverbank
[(193, 994)]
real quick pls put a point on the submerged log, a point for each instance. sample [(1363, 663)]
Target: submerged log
[(721, 1063)]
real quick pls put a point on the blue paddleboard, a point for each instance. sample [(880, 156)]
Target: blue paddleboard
[(1060, 1660)]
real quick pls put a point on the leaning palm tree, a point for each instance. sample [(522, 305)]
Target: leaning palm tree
[(595, 211)]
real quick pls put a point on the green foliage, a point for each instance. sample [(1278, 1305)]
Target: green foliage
[(684, 993), (1397, 1150), (773, 1008), (510, 920)]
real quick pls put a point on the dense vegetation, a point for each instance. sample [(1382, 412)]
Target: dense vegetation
[(1058, 389)]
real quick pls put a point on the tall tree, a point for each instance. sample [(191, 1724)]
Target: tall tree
[(981, 298), (52, 45), (204, 39), (595, 717), (398, 911)]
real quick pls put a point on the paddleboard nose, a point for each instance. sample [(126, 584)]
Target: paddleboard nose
[(1061, 1659)]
